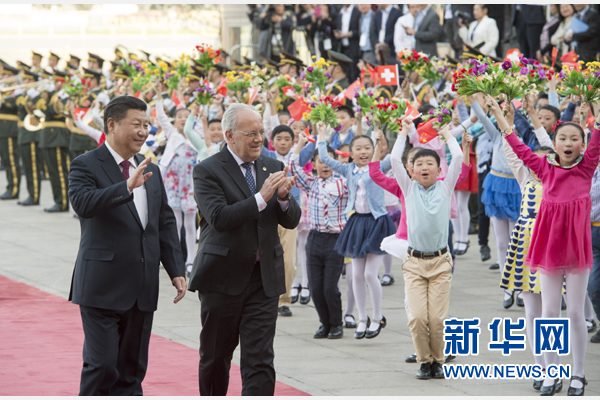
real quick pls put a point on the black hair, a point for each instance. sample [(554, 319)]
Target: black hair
[(343, 145), (118, 108), (279, 114), (355, 138), (427, 153), (560, 16), (330, 151), (425, 111), (280, 129), (213, 121), (347, 110), (552, 109), (485, 6), (576, 125), (547, 149), (177, 111)]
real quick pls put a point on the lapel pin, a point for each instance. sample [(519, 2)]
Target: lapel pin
[(264, 168)]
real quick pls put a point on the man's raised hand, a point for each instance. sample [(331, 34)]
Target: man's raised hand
[(138, 178)]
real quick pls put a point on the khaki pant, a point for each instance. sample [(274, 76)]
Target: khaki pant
[(287, 237), (427, 283)]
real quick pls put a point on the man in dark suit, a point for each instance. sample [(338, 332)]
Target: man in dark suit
[(385, 17), (348, 35), (239, 271), (588, 45), (427, 30), (127, 230), (529, 21)]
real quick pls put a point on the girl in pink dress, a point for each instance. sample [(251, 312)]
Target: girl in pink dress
[(561, 243)]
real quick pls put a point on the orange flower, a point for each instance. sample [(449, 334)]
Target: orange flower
[(211, 52), (405, 61)]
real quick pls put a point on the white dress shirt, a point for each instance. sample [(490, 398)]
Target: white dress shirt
[(346, 14), (361, 205), (484, 31), (140, 197), (403, 40), (385, 14)]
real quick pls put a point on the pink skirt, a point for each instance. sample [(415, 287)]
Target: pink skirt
[(562, 238)]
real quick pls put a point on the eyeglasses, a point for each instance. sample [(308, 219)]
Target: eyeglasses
[(253, 135)]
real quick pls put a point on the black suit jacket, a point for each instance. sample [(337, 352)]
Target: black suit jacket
[(232, 228), (429, 33), (389, 28), (588, 41), (118, 260), (354, 47), (531, 15)]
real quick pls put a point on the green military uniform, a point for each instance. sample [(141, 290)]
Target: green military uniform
[(79, 142), (28, 144), (54, 145), (9, 132)]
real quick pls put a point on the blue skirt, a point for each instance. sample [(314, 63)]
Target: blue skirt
[(363, 234), (501, 197)]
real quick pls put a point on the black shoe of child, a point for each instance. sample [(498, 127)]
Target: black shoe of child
[(437, 372), (322, 333), (336, 332), (411, 359), (425, 371)]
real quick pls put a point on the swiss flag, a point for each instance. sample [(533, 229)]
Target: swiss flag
[(222, 89), (426, 132), (513, 55), (349, 92), (298, 108), (252, 92), (411, 112), (80, 112), (388, 75), (288, 91)]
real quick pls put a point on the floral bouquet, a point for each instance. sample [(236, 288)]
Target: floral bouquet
[(207, 56), (285, 81), (479, 77), (260, 76), (434, 70), (75, 87), (204, 93), (137, 74), (412, 60), (364, 98), (323, 109), (388, 112), (525, 76), (585, 83), (317, 75), (237, 82)]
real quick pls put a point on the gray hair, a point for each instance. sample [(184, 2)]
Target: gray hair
[(230, 116)]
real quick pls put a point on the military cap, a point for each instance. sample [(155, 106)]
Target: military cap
[(222, 68), (336, 58), (74, 59), (196, 74), (472, 52), (7, 69), (59, 75), (92, 73), (54, 56), (27, 74), (22, 65), (96, 58), (287, 58), (452, 61), (36, 56), (270, 64), (255, 61)]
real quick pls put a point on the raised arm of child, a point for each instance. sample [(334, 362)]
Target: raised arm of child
[(465, 168), (398, 169), (304, 180), (592, 151), (538, 129), (324, 156), (193, 136), (487, 124), (455, 165)]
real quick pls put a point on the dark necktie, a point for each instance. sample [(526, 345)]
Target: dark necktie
[(249, 177), (125, 164)]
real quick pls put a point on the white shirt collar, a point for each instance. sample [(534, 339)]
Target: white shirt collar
[(347, 10), (237, 159), (361, 169), (118, 158), (424, 11)]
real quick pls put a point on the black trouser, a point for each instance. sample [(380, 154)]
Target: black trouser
[(484, 220), (529, 36), (473, 209), (115, 351), (248, 318), (352, 73), (57, 161), (30, 156), (324, 267), (9, 151), (450, 241)]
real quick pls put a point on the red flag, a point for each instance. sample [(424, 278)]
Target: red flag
[(298, 108), (176, 100), (374, 75), (341, 153), (102, 139), (411, 112), (554, 54), (349, 92), (310, 137), (137, 94), (252, 92), (362, 76), (80, 112), (288, 91), (513, 55), (517, 103), (222, 89), (570, 57), (426, 132), (388, 75)]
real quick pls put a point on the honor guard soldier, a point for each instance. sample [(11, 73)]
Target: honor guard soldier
[(338, 66), (9, 133), (30, 126), (53, 60), (36, 62), (289, 65), (79, 142), (95, 62), (54, 142), (73, 64)]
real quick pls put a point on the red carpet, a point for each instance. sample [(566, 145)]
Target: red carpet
[(41, 342)]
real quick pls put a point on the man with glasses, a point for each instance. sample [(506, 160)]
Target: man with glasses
[(239, 272)]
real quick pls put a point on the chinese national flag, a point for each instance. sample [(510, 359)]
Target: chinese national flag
[(426, 132), (137, 94), (222, 89), (554, 54), (298, 108), (176, 100), (388, 75), (570, 57), (513, 55), (349, 92), (252, 92)]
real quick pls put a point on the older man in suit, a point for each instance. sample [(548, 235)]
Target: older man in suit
[(239, 271), (427, 30), (127, 230)]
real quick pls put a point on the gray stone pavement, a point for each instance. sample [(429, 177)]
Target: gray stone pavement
[(39, 249)]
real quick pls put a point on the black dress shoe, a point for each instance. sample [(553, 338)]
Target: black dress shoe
[(437, 371), (549, 390), (411, 359), (510, 301), (577, 391), (285, 311), (336, 332), (305, 300), (449, 357), (8, 196), (387, 282), (375, 333), (494, 266), (595, 338), (520, 301), (55, 208), (559, 385), (361, 334), (593, 327), (485, 253), (350, 324), (295, 297), (28, 202), (321, 333), (537, 385), (425, 371)]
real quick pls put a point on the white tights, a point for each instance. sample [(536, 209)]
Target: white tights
[(350, 303), (551, 286), (533, 310), (387, 264), (502, 230), (364, 270), (462, 223), (188, 220), (301, 259)]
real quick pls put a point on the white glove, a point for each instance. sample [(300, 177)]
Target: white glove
[(103, 98), (33, 93)]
